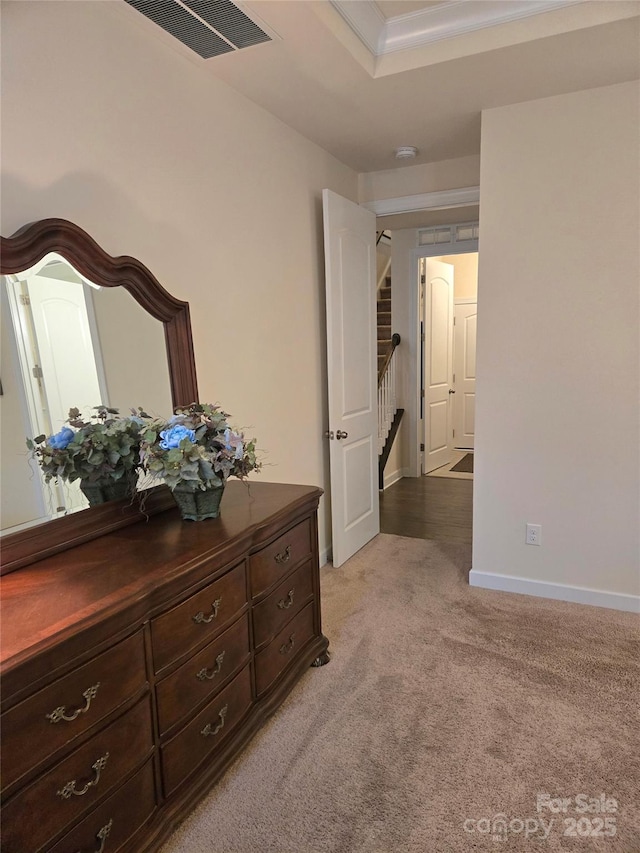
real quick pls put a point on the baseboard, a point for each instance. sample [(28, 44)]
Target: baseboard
[(324, 556), (558, 591), (393, 477)]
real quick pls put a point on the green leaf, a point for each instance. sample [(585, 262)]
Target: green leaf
[(206, 470), (187, 474)]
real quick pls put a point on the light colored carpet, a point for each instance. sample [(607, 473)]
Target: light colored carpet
[(443, 707)]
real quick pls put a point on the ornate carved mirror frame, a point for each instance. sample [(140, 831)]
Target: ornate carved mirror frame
[(22, 251)]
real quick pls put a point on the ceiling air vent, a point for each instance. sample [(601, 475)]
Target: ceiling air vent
[(208, 27), (229, 21)]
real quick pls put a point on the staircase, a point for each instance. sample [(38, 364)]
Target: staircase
[(384, 322), (389, 416)]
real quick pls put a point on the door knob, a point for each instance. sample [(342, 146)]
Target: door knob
[(451, 391), (329, 433), (341, 434)]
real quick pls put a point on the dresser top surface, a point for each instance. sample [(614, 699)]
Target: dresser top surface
[(76, 588)]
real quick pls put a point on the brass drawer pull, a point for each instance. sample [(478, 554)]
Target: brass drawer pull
[(201, 618), (283, 557), (59, 713), (204, 674), (70, 788), (213, 730), (287, 647), (285, 603), (102, 836)]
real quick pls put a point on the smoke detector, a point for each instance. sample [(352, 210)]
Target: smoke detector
[(406, 152)]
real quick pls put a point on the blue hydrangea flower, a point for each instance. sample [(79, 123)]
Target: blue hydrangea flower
[(61, 439), (172, 437)]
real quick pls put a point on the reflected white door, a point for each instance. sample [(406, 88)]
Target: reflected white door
[(68, 361), (438, 364), (67, 353), (464, 372), (350, 262)]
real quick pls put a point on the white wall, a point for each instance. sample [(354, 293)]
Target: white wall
[(423, 178), (134, 353), (557, 423), (394, 469), (465, 274), (155, 158)]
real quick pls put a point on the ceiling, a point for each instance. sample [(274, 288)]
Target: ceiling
[(392, 8), (319, 77)]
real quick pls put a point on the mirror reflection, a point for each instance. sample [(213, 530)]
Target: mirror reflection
[(67, 342)]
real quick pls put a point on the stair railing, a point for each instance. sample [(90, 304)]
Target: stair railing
[(387, 398)]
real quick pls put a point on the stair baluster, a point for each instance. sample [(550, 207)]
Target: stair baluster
[(389, 416)]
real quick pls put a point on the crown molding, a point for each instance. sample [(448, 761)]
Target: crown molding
[(449, 19), (424, 201), (366, 21)]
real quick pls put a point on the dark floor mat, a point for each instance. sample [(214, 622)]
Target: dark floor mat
[(465, 465)]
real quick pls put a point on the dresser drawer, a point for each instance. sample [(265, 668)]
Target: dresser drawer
[(76, 784), (283, 649), (270, 564), (113, 822), (202, 675), (206, 732), (53, 717), (285, 601), (198, 618)]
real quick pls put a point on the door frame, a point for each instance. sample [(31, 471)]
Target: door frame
[(429, 251)]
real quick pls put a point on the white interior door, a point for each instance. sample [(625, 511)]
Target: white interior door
[(464, 374), (68, 362), (438, 364), (350, 262)]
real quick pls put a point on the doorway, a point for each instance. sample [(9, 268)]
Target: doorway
[(440, 506), (448, 288)]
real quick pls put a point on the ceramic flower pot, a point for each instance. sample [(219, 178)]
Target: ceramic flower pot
[(197, 504), (99, 492)]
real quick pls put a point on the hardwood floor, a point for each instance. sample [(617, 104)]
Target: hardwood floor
[(428, 508)]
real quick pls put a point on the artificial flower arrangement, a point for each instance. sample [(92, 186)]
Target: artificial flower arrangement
[(103, 448), (194, 453), (196, 448)]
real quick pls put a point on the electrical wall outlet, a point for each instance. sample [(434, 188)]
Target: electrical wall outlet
[(534, 534)]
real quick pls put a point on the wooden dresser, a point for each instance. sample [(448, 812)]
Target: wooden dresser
[(136, 666)]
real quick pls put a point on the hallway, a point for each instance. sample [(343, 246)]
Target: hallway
[(428, 508)]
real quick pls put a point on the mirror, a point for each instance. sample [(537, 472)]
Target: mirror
[(79, 328), (73, 344)]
